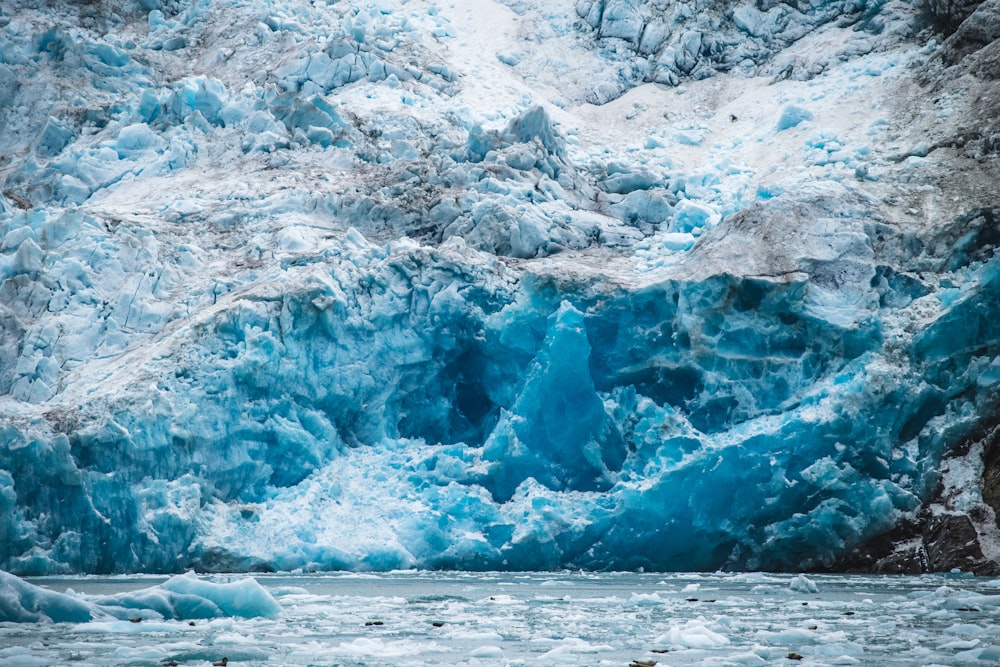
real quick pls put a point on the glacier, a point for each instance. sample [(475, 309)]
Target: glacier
[(673, 285)]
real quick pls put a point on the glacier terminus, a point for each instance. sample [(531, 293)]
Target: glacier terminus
[(673, 285)]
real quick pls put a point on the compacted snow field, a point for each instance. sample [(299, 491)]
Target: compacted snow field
[(403, 619)]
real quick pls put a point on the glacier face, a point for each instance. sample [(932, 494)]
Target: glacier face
[(522, 285)]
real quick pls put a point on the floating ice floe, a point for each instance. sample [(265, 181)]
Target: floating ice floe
[(181, 597), (802, 584), (692, 634)]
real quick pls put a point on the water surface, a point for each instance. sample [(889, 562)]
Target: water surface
[(432, 618)]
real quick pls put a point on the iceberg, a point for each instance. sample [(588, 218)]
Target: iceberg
[(21, 602), (181, 597)]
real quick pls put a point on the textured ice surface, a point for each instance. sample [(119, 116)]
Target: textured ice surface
[(380, 285), (21, 602), (180, 597), (408, 619)]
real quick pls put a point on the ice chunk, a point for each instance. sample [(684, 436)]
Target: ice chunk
[(72, 190), (53, 138), (677, 241), (693, 634), (110, 55), (9, 85), (621, 19), (691, 217), (511, 58), (646, 599), (749, 20), (245, 597), (136, 138), (644, 206), (793, 115), (800, 584), (487, 651), (625, 181), (203, 94), (21, 602), (180, 597), (535, 124)]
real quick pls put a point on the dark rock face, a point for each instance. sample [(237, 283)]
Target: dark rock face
[(975, 32), (933, 544), (945, 16), (910, 560), (950, 542), (895, 552), (991, 474), (940, 539)]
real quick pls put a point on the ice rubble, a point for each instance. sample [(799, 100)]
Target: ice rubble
[(335, 286), (564, 618), (180, 597)]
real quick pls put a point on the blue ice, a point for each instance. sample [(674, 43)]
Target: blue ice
[(181, 597)]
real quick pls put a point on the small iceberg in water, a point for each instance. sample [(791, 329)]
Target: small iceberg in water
[(181, 597)]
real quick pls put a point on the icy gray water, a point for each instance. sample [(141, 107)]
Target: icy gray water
[(425, 618)]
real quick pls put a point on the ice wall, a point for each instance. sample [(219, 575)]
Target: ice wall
[(352, 286)]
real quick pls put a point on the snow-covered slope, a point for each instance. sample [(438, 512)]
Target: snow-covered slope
[(523, 284)]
